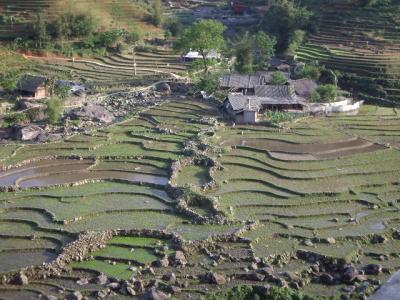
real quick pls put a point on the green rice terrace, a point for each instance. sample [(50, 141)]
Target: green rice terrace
[(364, 41), (178, 201)]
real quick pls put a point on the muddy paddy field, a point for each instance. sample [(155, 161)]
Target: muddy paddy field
[(176, 201)]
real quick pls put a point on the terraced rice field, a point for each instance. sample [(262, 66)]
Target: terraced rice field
[(116, 68), (362, 41), (326, 190)]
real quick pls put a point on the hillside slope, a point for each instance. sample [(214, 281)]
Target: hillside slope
[(115, 13), (361, 41)]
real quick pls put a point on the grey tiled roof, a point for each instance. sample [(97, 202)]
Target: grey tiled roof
[(275, 91), (241, 81), (268, 75), (239, 102), (30, 83)]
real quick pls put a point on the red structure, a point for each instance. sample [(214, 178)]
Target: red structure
[(238, 7)]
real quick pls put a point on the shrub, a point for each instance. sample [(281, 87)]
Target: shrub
[(173, 26), (15, 118), (157, 13), (325, 93), (55, 108), (279, 78), (312, 72), (208, 83), (296, 39), (276, 117)]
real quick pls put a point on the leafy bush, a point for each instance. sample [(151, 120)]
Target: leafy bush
[(312, 72), (296, 39), (55, 108), (325, 93), (157, 13), (207, 83), (15, 118), (173, 26), (276, 117), (278, 78)]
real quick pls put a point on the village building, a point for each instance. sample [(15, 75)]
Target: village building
[(241, 83), (195, 55), (246, 83), (33, 87), (247, 108)]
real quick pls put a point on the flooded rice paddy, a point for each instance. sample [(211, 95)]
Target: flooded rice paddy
[(328, 186)]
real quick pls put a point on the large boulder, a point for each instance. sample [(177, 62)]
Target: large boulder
[(21, 279), (27, 133), (214, 278), (178, 258), (92, 112), (163, 88), (154, 294)]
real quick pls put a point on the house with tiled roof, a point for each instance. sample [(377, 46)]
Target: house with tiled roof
[(33, 87), (246, 108)]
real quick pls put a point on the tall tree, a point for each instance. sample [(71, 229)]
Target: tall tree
[(39, 31), (157, 13), (203, 36)]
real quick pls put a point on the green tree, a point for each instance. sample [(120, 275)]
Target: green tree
[(325, 93), (9, 80), (173, 26), (157, 13), (254, 52), (296, 39), (203, 36), (244, 55), (39, 31), (278, 78), (312, 72), (283, 18), (55, 108), (265, 46)]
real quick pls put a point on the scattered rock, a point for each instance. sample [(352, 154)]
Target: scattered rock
[(130, 291), (138, 286), (373, 269), (379, 239), (255, 276), (162, 263), (114, 285), (74, 296), (21, 279), (163, 88), (214, 278), (175, 289), (92, 112), (330, 240), (178, 258), (101, 279), (101, 294), (308, 243), (154, 294), (349, 274), (326, 278), (170, 278), (82, 281), (27, 133)]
